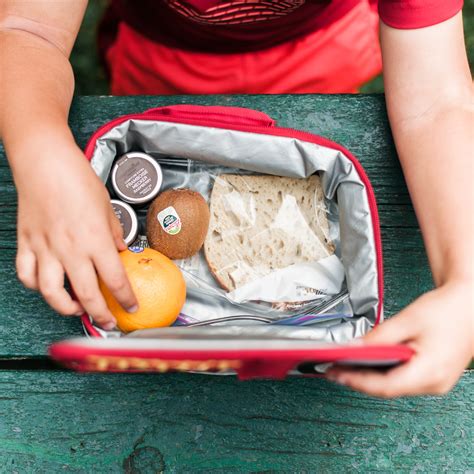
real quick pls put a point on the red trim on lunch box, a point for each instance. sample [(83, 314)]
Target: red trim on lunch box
[(88, 326), (204, 116), (252, 363)]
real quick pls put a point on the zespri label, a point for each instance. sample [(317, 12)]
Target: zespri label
[(169, 220)]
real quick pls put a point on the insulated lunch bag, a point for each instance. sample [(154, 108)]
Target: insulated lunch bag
[(194, 144)]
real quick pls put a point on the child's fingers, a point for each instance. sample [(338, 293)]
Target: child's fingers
[(111, 271), (396, 330), (372, 382), (83, 279), (51, 286), (26, 266), (416, 377)]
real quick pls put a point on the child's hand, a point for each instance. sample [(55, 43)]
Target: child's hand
[(439, 326), (66, 225)]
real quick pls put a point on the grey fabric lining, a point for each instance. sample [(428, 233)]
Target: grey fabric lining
[(275, 155)]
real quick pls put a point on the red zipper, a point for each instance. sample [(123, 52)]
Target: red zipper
[(268, 129)]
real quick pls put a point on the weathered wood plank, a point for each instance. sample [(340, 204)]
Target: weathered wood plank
[(181, 423), (358, 122), (146, 423)]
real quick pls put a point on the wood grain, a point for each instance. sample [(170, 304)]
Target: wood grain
[(183, 423)]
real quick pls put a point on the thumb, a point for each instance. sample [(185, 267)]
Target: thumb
[(396, 330)]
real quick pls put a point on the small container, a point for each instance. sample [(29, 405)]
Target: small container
[(128, 220), (136, 178)]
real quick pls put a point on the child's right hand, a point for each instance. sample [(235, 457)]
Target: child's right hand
[(66, 225)]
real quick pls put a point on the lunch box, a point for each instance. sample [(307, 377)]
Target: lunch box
[(248, 140)]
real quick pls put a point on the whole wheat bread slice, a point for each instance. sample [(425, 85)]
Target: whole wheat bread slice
[(262, 223)]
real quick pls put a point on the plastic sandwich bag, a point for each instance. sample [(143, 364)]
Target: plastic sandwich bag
[(297, 288)]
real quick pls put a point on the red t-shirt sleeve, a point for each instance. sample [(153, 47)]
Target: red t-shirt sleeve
[(408, 14)]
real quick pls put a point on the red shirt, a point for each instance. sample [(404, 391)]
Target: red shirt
[(229, 26)]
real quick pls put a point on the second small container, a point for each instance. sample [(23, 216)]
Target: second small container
[(128, 220)]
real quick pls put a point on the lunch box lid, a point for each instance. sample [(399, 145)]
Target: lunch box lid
[(247, 358)]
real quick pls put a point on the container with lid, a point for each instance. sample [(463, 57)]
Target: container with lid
[(128, 220), (136, 178)]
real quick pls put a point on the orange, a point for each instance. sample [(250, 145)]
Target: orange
[(158, 285)]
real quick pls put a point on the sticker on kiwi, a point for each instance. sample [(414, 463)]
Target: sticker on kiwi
[(169, 220)]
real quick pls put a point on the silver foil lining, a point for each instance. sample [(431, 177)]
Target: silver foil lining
[(281, 156)]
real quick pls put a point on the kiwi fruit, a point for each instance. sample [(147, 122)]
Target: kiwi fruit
[(177, 223)]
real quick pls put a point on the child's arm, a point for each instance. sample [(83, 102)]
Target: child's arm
[(430, 105), (65, 221)]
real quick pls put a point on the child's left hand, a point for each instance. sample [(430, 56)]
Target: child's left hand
[(439, 326)]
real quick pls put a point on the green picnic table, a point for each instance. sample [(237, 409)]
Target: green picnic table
[(54, 420)]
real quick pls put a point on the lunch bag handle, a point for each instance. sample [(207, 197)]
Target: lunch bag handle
[(216, 113)]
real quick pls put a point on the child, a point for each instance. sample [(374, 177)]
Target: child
[(211, 46)]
